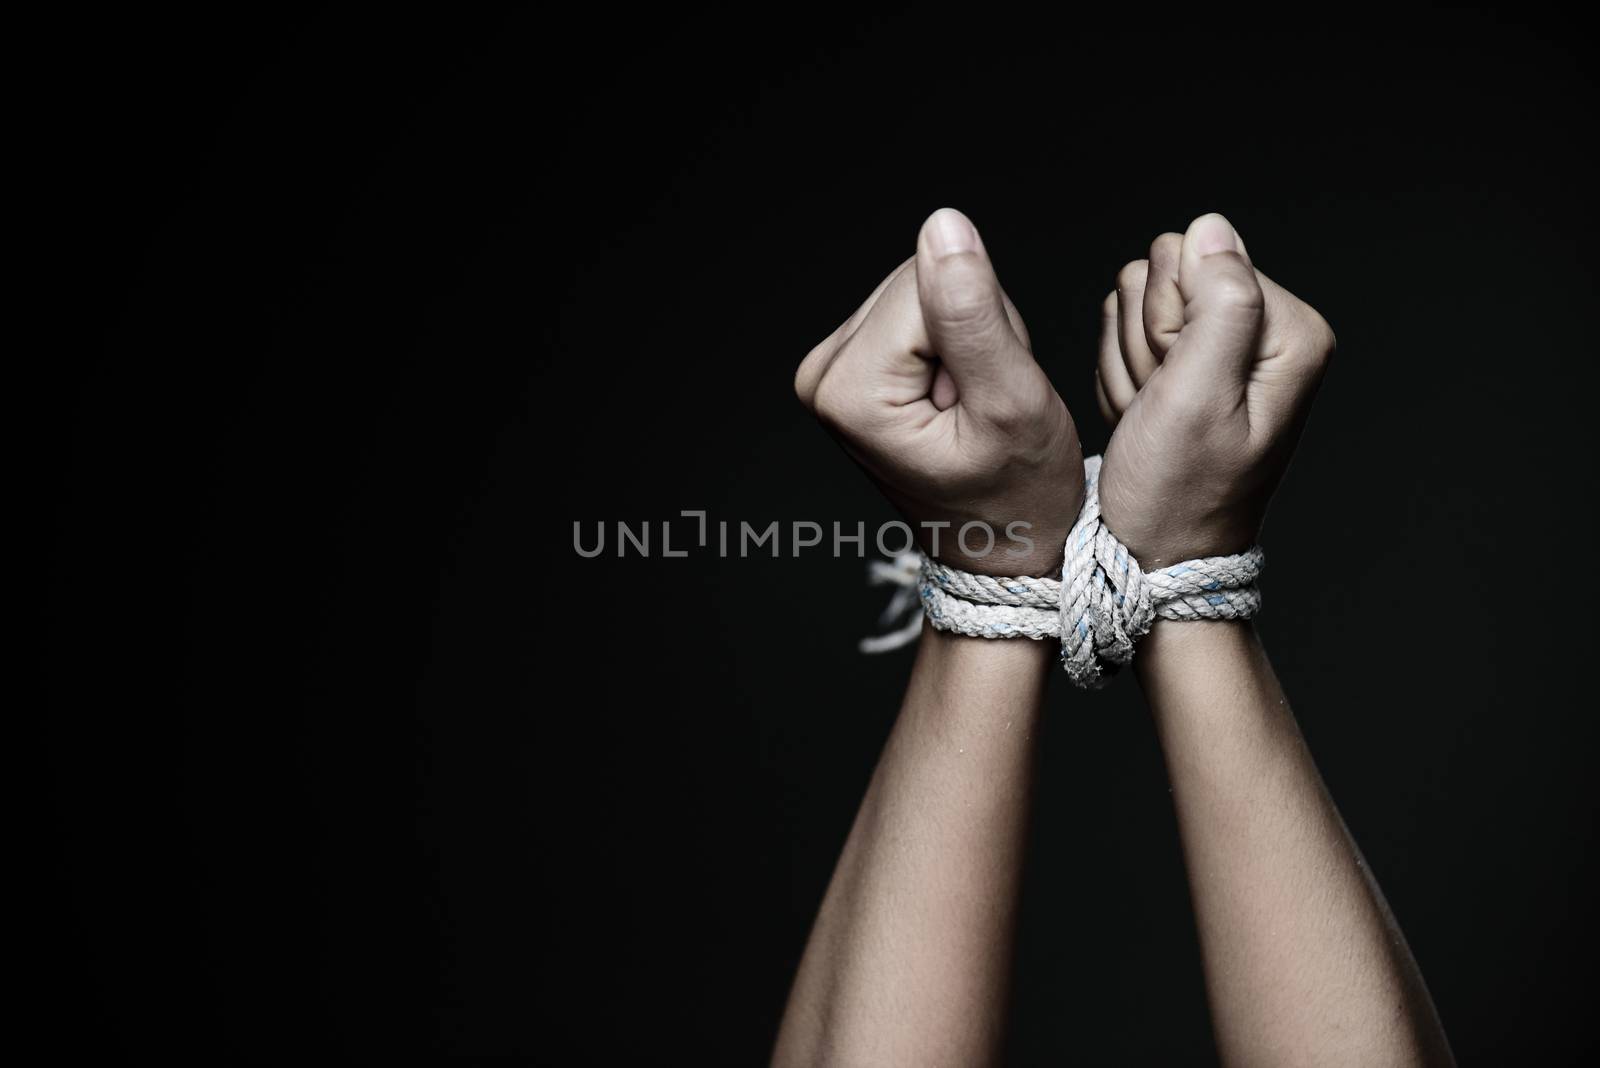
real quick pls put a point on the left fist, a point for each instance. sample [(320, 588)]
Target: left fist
[(932, 388)]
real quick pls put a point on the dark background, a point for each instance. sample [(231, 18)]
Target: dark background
[(350, 754)]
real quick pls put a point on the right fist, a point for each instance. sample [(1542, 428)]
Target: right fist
[(1207, 370), (932, 388)]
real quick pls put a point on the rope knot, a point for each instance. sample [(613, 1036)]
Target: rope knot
[(1103, 603)]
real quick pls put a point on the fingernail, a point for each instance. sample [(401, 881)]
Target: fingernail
[(1213, 233), (949, 233)]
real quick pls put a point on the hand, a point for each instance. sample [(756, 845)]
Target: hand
[(932, 388), (1207, 370)]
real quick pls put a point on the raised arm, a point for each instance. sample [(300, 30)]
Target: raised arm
[(931, 387), (1207, 368), (1304, 963), (910, 957)]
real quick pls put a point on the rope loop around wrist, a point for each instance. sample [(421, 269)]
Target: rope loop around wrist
[(1108, 602), (1101, 606)]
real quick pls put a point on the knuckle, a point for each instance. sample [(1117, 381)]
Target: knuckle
[(1023, 411), (1314, 340), (964, 293), (829, 404), (1007, 412), (1238, 291), (806, 375), (1109, 306), (1164, 249), (964, 299), (1323, 340), (1133, 275)]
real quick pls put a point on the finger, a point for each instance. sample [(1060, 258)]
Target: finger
[(1130, 322), (1112, 369), (1108, 411), (1017, 325), (1224, 307), (816, 362), (887, 358), (944, 393), (852, 324), (1163, 301), (964, 311), (1293, 354), (1296, 340)]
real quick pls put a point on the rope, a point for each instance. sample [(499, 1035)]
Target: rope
[(1103, 603)]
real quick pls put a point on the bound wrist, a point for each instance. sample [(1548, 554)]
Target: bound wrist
[(955, 651)]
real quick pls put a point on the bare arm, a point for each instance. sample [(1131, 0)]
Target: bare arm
[(910, 957), (1207, 369), (1304, 963), (932, 389)]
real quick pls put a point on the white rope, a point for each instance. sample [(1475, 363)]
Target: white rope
[(1103, 603)]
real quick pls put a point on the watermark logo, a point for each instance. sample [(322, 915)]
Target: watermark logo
[(976, 539)]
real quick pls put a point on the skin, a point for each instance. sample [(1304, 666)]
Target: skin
[(1304, 963), (910, 957), (1206, 370), (932, 388)]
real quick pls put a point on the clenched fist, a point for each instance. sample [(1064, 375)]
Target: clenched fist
[(1207, 369), (932, 388)]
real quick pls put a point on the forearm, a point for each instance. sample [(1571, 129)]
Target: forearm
[(910, 957), (1304, 963)]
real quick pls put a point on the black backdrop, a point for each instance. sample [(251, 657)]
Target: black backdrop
[(350, 752)]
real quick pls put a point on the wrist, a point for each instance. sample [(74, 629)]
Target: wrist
[(979, 687), (1164, 548), (1011, 659), (1041, 560), (1177, 647)]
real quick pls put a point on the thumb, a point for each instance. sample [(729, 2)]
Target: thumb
[(964, 309), (1223, 307)]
